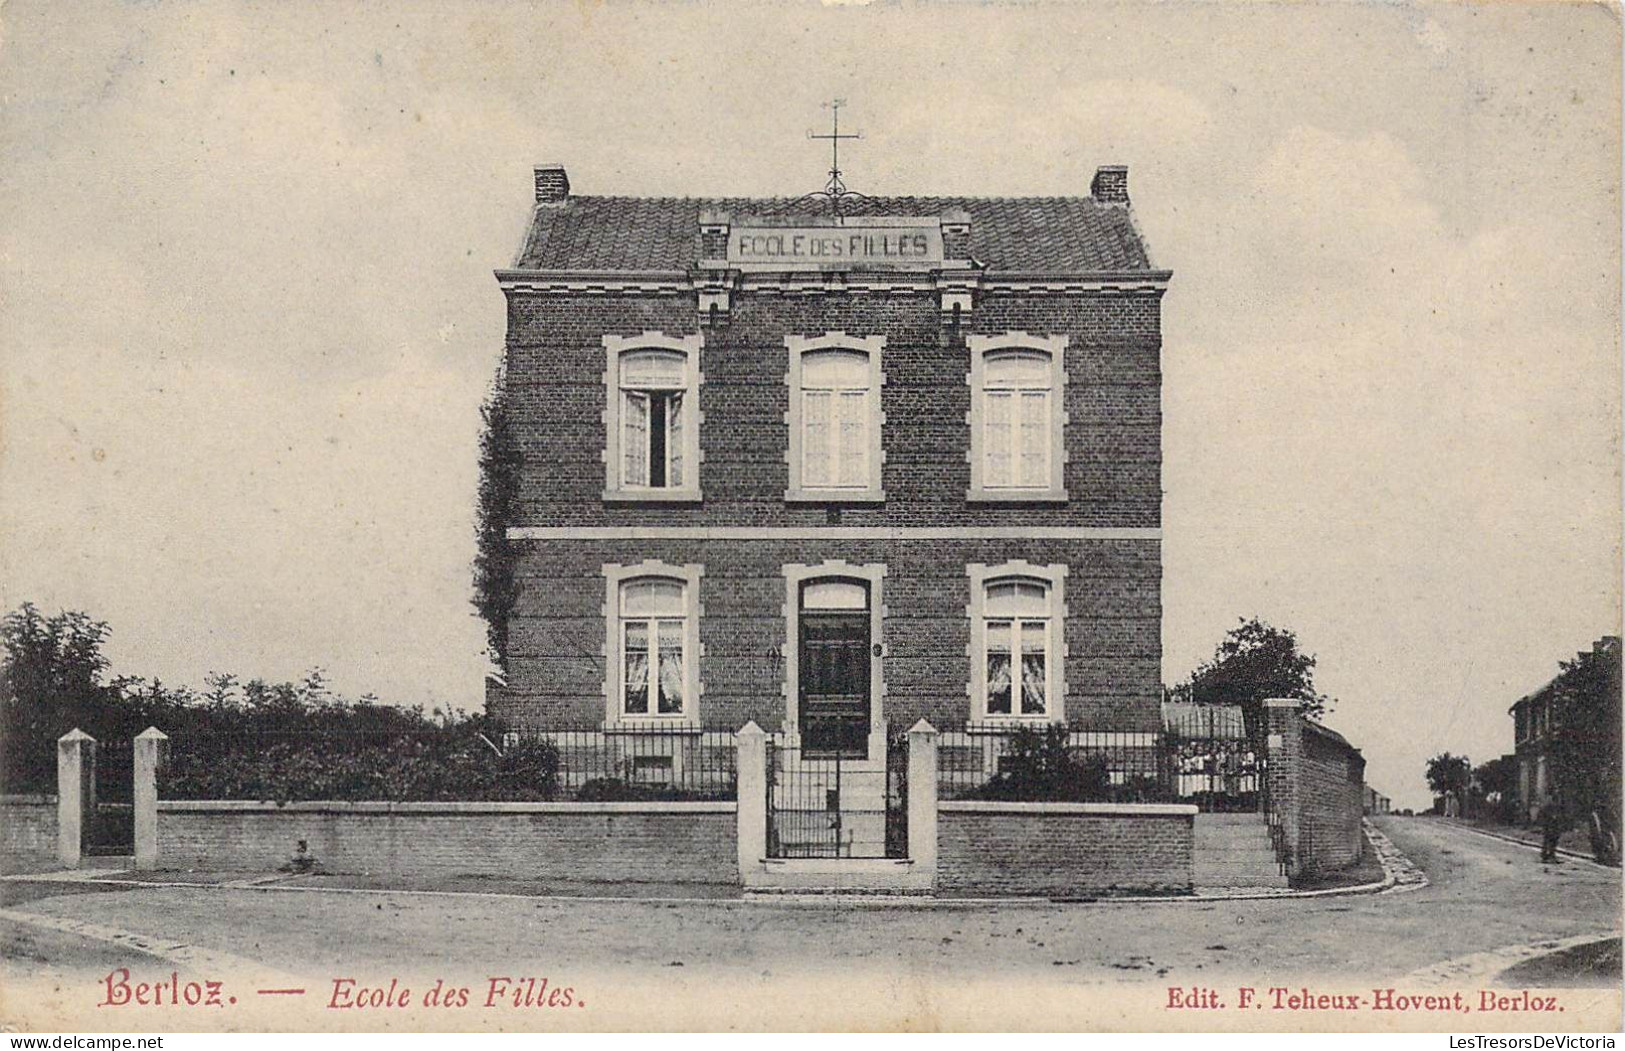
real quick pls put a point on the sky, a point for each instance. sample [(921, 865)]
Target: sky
[(247, 313)]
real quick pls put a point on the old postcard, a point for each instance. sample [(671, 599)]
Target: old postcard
[(793, 516)]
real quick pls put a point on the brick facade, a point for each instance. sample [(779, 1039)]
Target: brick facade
[(1063, 850), (1104, 531), (557, 638), (602, 843)]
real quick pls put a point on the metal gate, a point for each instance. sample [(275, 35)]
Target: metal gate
[(1218, 760), (109, 828), (836, 803)]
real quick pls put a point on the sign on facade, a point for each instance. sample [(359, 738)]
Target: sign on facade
[(870, 243)]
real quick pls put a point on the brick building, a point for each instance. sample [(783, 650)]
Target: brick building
[(1580, 705), (834, 474)]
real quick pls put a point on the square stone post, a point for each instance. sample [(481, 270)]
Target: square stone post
[(75, 794), (751, 763), (148, 744), (1284, 721), (922, 799)]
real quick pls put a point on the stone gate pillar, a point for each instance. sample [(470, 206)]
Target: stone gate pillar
[(75, 794), (752, 807), (922, 797), (148, 745), (1284, 721)]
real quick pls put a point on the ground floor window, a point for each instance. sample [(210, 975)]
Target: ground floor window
[(653, 647), (1017, 612), (652, 617)]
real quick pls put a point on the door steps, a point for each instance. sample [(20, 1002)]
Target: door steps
[(1234, 850)]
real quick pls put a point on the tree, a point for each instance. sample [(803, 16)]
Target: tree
[(1450, 775), (1495, 787), (50, 682), (1584, 742), (495, 584), (1255, 662)]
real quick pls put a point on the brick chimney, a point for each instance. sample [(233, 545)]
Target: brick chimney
[(1110, 184), (552, 185)]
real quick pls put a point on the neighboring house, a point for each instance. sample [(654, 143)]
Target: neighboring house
[(1567, 705), (834, 475), (1376, 802)]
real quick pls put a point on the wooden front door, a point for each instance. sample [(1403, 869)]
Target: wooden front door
[(834, 674)]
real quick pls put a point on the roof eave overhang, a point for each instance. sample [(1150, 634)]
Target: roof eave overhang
[(538, 280)]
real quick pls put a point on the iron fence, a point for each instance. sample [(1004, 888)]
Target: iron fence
[(657, 763), (1054, 763)]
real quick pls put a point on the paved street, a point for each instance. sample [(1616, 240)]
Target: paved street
[(1484, 895)]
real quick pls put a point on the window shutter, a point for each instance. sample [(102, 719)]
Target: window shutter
[(1035, 439), (854, 443), (998, 439), (816, 439)]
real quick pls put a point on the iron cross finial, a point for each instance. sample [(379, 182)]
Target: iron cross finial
[(835, 189)]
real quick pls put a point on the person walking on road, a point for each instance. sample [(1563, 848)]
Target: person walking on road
[(1553, 823)]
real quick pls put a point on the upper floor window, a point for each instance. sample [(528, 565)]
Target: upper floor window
[(652, 418), (1017, 417), (1018, 614), (652, 628), (835, 451)]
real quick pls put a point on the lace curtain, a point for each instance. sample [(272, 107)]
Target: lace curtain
[(637, 669), (636, 439), (674, 438)]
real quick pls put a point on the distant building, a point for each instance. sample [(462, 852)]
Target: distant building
[(1376, 802)]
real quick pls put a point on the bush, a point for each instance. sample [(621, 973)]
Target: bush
[(1041, 766), (442, 765)]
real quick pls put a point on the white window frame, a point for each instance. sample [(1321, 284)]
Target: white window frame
[(1053, 577), (874, 575), (616, 576), (614, 348), (980, 347), (872, 346)]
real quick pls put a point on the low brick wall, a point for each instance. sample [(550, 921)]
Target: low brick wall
[(591, 842), (27, 834), (1332, 797), (1063, 849)]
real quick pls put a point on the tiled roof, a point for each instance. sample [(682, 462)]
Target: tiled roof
[(662, 233)]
